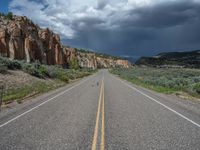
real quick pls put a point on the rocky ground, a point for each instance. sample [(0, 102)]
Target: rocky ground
[(18, 85)]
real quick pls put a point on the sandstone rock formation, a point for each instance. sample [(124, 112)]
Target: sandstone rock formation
[(21, 39), (3, 43), (87, 60), (112, 63), (69, 54)]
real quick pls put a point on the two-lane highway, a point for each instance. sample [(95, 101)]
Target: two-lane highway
[(101, 112), (135, 121)]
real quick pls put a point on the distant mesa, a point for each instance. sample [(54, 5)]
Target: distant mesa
[(190, 59), (21, 39)]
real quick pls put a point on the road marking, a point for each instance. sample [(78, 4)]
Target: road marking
[(94, 142), (102, 122), (151, 98), (26, 112)]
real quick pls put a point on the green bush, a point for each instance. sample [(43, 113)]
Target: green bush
[(64, 78), (10, 64), (36, 69), (196, 88), (31, 69), (15, 65), (43, 70), (3, 68), (73, 64)]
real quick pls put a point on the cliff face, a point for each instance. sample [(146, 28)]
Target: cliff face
[(112, 63), (21, 39), (87, 60), (90, 60)]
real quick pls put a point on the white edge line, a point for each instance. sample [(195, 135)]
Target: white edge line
[(177, 113), (13, 119)]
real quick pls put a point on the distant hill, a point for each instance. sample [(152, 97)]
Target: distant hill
[(189, 59), (131, 59)]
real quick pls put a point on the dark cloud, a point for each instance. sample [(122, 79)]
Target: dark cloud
[(101, 4), (165, 14), (84, 23), (126, 31), (168, 26)]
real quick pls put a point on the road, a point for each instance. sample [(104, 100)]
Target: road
[(101, 112)]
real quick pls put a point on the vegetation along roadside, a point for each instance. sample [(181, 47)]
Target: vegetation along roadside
[(20, 79), (179, 81)]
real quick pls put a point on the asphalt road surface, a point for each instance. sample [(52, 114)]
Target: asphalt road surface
[(101, 112)]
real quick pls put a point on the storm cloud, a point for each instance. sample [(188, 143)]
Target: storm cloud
[(121, 27)]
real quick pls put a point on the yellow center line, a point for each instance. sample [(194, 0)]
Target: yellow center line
[(102, 122), (94, 142)]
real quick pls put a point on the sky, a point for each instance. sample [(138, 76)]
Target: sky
[(128, 28)]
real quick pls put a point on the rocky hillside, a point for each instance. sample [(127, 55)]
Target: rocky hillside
[(189, 59), (21, 39)]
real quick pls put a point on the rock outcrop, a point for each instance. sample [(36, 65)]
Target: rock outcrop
[(112, 63), (52, 47), (69, 54), (21, 39), (87, 60)]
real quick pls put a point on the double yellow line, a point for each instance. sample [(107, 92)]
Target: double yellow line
[(100, 110)]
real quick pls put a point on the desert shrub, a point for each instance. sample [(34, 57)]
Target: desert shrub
[(73, 64), (63, 77), (181, 79), (10, 64), (3, 68), (15, 64), (59, 73), (33, 70), (196, 79), (196, 88), (71, 76), (36, 69), (52, 71), (4, 61), (43, 70)]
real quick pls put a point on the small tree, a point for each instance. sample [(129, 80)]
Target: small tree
[(9, 16)]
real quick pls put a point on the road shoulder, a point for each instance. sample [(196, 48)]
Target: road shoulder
[(15, 109)]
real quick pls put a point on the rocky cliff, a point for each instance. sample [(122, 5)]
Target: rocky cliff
[(21, 39), (93, 60), (112, 63)]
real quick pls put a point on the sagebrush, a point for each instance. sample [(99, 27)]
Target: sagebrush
[(167, 80)]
